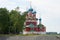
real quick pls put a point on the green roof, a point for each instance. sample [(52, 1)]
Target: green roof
[(31, 25)]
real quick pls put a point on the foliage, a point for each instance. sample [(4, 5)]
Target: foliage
[(15, 21), (11, 22), (4, 20)]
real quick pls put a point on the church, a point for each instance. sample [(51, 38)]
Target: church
[(30, 24)]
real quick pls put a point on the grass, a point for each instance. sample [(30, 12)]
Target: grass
[(39, 35), (29, 35)]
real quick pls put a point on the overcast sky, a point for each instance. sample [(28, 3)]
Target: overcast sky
[(48, 10)]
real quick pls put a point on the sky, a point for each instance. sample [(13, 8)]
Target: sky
[(48, 10)]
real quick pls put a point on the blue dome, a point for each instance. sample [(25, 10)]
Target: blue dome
[(40, 19), (34, 12), (36, 18), (30, 9)]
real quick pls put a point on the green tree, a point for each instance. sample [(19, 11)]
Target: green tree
[(15, 21), (23, 18), (4, 20), (11, 22)]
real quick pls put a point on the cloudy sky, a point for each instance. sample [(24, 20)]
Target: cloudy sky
[(48, 10)]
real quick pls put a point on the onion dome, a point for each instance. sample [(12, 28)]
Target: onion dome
[(40, 19), (30, 9), (34, 12), (36, 18)]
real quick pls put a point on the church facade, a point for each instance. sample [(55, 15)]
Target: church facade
[(30, 24)]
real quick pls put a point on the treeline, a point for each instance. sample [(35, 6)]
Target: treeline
[(11, 21)]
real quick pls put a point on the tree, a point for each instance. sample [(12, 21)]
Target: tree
[(11, 22), (15, 21), (4, 20), (23, 18)]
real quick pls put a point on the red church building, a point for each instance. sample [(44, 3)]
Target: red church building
[(30, 24)]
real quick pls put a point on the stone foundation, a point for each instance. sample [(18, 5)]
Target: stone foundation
[(25, 32)]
